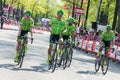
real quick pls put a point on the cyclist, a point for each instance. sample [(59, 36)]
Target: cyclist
[(69, 32), (26, 25), (57, 26), (106, 37)]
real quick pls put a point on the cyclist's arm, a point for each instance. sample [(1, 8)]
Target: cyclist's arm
[(32, 25)]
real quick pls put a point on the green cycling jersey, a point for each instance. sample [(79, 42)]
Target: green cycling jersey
[(69, 29), (26, 25), (107, 37), (57, 26)]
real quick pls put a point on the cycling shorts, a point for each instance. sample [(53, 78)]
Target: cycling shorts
[(23, 33), (106, 43), (66, 37), (54, 38)]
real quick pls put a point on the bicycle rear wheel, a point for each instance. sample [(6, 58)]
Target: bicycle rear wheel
[(104, 65), (97, 65)]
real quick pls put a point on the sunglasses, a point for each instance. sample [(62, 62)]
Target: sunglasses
[(27, 15)]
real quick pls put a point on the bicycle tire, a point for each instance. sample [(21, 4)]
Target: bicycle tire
[(97, 65), (65, 59), (54, 61), (69, 58), (104, 70), (21, 56)]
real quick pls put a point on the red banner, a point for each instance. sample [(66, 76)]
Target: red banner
[(78, 11)]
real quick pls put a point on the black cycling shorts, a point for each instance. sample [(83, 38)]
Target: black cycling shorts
[(65, 37), (106, 43), (54, 38), (23, 32)]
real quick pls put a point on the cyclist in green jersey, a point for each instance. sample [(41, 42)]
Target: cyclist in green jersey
[(69, 32), (57, 26), (26, 25), (106, 37)]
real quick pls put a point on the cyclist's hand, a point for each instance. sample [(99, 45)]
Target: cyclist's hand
[(31, 40)]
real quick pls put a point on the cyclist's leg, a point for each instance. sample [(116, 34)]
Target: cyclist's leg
[(100, 50), (26, 44), (107, 46), (17, 47), (61, 43), (51, 41)]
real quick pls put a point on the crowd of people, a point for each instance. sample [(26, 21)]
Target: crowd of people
[(83, 33)]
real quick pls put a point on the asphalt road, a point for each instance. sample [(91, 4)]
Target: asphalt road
[(35, 67)]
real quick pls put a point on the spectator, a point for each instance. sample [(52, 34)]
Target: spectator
[(2, 21), (117, 40), (97, 37), (91, 35)]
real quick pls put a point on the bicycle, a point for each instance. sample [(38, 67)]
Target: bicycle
[(53, 60), (103, 61), (66, 54), (21, 50)]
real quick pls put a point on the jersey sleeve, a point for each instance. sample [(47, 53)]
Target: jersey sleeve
[(113, 35), (102, 35), (22, 21), (51, 21)]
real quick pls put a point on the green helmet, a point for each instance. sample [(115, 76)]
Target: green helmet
[(109, 27), (60, 12), (28, 13), (71, 20)]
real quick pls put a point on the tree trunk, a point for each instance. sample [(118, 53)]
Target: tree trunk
[(99, 6), (73, 10), (80, 15), (0, 7), (118, 26), (86, 17), (115, 15)]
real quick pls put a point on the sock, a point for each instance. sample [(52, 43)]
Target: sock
[(98, 54), (59, 51)]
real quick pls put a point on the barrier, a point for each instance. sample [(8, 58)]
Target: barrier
[(84, 46), (118, 54), (93, 47), (90, 46), (80, 43), (16, 27)]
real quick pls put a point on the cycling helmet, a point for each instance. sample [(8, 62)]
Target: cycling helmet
[(28, 13), (60, 12), (109, 27), (71, 20)]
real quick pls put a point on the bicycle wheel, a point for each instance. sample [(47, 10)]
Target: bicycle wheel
[(54, 61), (64, 59), (69, 57), (60, 62), (21, 56), (104, 65), (50, 64), (97, 65), (20, 53)]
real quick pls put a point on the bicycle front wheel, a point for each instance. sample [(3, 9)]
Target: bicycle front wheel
[(69, 57), (104, 65), (97, 65), (54, 61), (64, 59)]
